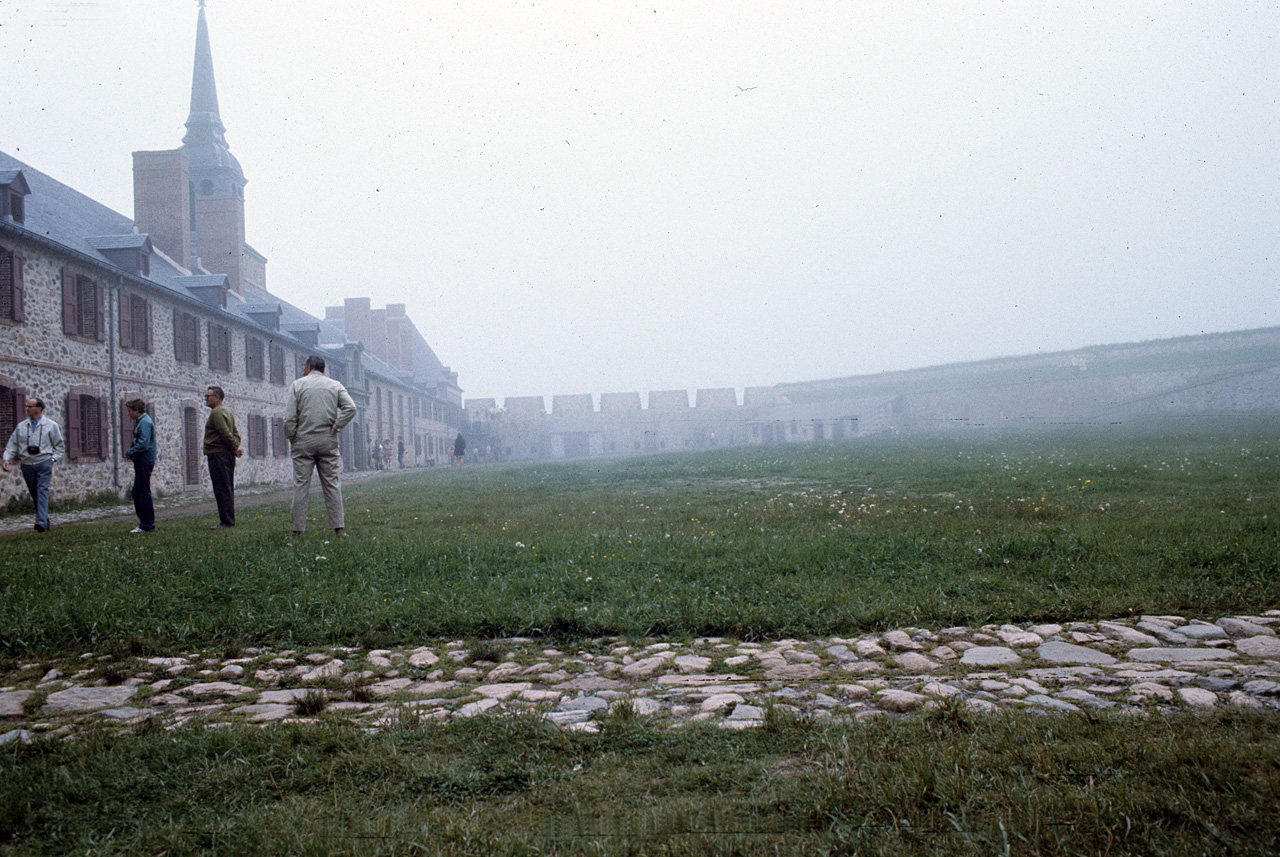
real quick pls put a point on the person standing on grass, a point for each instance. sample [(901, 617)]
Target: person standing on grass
[(142, 452), (221, 449), (459, 450), (36, 443), (316, 409), (400, 452)]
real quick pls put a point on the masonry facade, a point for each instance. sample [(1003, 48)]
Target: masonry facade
[(97, 308)]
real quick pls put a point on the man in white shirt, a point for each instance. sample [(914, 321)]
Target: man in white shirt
[(36, 444), (316, 409)]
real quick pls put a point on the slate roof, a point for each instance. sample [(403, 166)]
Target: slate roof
[(130, 241), (63, 214)]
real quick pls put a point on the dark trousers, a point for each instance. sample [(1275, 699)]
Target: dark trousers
[(222, 473), (38, 476), (142, 503)]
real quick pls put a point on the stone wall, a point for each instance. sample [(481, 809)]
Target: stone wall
[(37, 356), (1236, 372)]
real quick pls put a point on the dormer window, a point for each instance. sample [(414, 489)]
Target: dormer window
[(13, 206), (13, 192), (129, 252)]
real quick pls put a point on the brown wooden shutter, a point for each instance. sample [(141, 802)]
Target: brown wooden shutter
[(19, 289), (126, 428), (104, 430), (73, 426), (100, 308), (126, 320), (10, 285), (146, 327), (70, 320), (179, 352), (190, 447), (10, 407)]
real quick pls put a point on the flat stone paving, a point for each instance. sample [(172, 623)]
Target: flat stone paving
[(1151, 665)]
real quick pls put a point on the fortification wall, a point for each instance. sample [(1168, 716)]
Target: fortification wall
[(1227, 373)]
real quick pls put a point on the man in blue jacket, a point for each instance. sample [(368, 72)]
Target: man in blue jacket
[(143, 455)]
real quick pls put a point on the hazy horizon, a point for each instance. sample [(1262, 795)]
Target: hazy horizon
[(579, 198)]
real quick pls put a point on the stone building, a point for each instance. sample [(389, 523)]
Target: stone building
[(97, 308)]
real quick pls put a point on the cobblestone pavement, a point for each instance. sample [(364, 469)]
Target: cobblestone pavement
[(1150, 665)]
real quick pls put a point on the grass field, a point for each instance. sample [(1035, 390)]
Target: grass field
[(764, 542), (820, 539)]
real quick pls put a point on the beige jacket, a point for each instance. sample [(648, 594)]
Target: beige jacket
[(316, 403)]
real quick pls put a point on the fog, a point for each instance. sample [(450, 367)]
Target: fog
[(578, 197)]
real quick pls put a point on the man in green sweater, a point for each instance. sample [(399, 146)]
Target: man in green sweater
[(221, 449)]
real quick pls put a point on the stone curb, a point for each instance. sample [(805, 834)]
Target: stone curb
[(1121, 666)]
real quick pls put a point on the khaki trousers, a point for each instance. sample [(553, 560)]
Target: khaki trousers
[(318, 452)]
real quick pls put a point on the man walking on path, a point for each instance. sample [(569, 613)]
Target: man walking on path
[(316, 409), (142, 452), (36, 444), (221, 449), (459, 450)]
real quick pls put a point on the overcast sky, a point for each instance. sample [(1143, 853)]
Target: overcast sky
[(591, 197)]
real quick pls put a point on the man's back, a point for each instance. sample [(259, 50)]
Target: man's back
[(317, 403)]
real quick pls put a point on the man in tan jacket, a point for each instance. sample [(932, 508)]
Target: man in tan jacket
[(316, 409)]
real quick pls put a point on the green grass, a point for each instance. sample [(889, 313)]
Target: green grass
[(943, 783), (805, 540), (830, 538)]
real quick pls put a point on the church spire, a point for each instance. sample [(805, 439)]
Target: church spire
[(214, 168), (204, 92)]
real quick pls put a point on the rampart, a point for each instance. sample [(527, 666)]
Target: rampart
[(1230, 373)]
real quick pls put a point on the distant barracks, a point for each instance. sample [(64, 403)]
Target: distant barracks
[(96, 309)]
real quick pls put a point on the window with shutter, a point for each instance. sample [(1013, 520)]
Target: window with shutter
[(219, 347), (70, 303), (11, 291), (279, 443), (186, 337), (83, 306), (135, 323), (253, 357), (13, 400), (88, 426), (97, 297), (191, 446), (142, 324), (73, 427), (257, 436), (126, 321), (277, 365), (126, 425)]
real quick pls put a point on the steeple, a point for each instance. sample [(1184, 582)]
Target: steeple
[(214, 170)]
